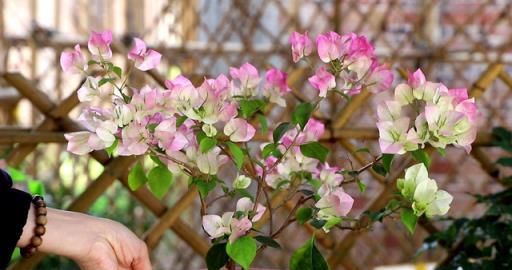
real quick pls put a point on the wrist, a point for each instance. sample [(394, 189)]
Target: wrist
[(68, 233), (28, 229)]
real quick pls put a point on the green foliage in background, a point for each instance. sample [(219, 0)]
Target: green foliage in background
[(484, 242)]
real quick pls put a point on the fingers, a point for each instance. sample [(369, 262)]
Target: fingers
[(142, 261)]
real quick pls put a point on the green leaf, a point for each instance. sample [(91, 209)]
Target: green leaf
[(217, 257), (505, 161), (35, 187), (364, 149), (200, 135), (249, 107), (118, 71), (237, 153), (105, 80), (332, 222), (263, 123), (280, 131), (242, 251), (317, 223), (387, 161), (137, 177), (303, 215), (392, 205), (421, 156), (314, 150), (308, 257), (267, 241), (157, 161), (110, 150), (159, 181), (379, 168), (409, 219), (268, 150), (302, 114), (180, 121), (92, 62), (204, 187), (16, 175), (441, 151), (207, 144), (360, 185)]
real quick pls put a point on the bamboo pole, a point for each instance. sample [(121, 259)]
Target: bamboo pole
[(10, 137), (153, 235), (344, 115), (485, 80)]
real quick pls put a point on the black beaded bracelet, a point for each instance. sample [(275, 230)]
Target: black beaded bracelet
[(39, 230)]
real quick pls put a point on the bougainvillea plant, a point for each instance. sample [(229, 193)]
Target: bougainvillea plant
[(203, 130)]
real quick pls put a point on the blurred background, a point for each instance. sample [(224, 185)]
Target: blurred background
[(456, 42)]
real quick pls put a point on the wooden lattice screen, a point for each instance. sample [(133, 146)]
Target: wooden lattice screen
[(462, 43)]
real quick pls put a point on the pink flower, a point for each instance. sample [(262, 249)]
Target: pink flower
[(276, 86), (239, 228), (144, 59), (133, 140), (416, 79), (458, 94), (209, 163), (329, 176), (216, 226), (239, 130), (322, 81), (178, 83), (336, 203), (301, 45), (358, 46), (274, 78), (73, 61), (380, 79), (329, 46), (168, 138), (83, 142), (219, 86), (228, 111), (79, 142), (393, 135), (313, 130), (245, 205), (147, 98), (99, 44), (247, 74)]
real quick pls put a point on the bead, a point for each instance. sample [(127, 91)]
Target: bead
[(39, 203), (28, 251), (41, 220), (41, 211), (36, 241), (39, 230)]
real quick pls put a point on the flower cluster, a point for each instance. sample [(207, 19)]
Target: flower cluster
[(422, 191), (441, 116), (165, 120), (201, 130), (234, 224), (351, 63)]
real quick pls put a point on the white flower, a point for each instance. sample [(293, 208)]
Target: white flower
[(422, 191), (242, 182)]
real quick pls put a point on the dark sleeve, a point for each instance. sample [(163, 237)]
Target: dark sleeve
[(14, 207)]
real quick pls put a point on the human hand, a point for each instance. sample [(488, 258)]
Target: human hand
[(94, 243)]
